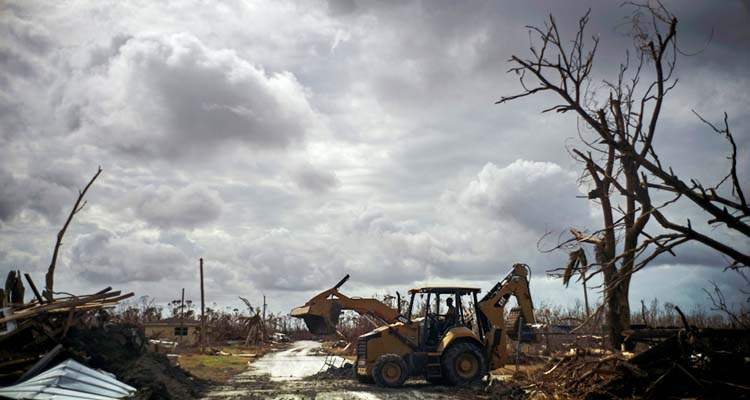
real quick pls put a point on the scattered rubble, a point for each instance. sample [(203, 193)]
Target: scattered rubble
[(29, 331), (505, 389), (691, 362), (332, 372), (42, 332), (122, 350)]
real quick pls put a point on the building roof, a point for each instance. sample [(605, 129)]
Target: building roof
[(174, 321), (69, 380)]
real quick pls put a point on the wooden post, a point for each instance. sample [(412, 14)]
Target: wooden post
[(182, 314), (585, 292), (203, 313), (263, 322), (518, 344)]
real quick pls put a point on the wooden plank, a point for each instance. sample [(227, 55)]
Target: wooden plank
[(44, 308), (84, 307), (118, 298)]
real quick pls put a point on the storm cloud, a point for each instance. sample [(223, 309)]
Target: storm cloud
[(291, 143), (172, 96)]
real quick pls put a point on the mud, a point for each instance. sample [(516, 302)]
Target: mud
[(285, 375)]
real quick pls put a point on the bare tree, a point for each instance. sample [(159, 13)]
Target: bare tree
[(77, 207), (616, 148)]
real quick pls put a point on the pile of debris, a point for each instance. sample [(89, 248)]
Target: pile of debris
[(31, 333), (123, 350), (687, 362), (44, 334), (333, 372)]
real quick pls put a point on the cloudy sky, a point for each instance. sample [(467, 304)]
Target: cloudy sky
[(291, 143)]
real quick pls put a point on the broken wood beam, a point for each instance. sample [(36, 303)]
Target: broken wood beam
[(47, 307), (38, 296)]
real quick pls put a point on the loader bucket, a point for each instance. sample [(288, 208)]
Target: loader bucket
[(320, 318)]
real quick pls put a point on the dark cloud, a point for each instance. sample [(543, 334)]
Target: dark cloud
[(292, 143), (284, 260), (45, 196), (314, 179), (12, 199), (101, 257), (186, 207)]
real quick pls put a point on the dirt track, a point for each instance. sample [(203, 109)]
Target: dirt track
[(281, 375)]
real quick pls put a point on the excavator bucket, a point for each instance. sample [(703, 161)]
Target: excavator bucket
[(320, 318)]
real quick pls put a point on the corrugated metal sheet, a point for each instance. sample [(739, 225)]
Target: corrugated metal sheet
[(69, 380)]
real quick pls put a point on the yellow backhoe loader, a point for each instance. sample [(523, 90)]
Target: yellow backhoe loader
[(456, 347), (321, 313)]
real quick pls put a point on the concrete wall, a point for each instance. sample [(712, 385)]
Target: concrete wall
[(167, 332)]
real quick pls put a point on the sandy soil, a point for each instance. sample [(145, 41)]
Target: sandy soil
[(281, 375)]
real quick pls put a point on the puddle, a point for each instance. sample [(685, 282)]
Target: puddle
[(303, 359)]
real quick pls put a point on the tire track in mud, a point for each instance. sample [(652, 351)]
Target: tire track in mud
[(280, 376)]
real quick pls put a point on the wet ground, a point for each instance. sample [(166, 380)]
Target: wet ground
[(284, 375)]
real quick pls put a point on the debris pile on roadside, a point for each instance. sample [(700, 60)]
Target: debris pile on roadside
[(122, 349), (38, 335), (29, 331), (687, 362)]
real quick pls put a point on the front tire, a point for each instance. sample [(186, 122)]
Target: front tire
[(463, 364), (390, 370)]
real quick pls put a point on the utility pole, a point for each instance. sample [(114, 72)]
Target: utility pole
[(203, 312), (182, 312), (264, 318)]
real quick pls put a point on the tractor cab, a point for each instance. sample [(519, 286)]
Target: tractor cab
[(437, 310)]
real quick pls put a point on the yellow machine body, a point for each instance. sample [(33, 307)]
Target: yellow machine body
[(457, 352)]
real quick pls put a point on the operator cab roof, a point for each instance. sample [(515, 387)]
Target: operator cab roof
[(445, 289)]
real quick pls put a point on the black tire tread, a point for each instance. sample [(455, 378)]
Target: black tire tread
[(450, 375), (378, 367)]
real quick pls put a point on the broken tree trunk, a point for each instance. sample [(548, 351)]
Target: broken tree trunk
[(78, 206)]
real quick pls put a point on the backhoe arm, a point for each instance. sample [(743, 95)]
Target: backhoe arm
[(321, 313), (492, 307)]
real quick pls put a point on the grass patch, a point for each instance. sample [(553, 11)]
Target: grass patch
[(214, 368), (219, 368)]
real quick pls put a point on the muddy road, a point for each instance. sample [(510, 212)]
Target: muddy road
[(287, 375)]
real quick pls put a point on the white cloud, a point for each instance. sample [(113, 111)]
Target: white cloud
[(539, 195), (171, 96)]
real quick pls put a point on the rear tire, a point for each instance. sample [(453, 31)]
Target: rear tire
[(463, 364), (390, 370)]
